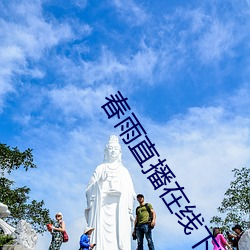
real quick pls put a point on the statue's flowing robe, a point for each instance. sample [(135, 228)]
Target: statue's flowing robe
[(110, 207), (244, 242)]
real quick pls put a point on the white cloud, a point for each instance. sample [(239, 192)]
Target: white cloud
[(217, 42), (131, 12), (198, 20), (80, 3), (240, 101), (106, 68), (32, 33), (143, 64), (25, 35), (200, 33), (80, 102), (10, 58), (121, 71)]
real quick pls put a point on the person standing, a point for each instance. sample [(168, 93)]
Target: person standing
[(143, 225), (56, 231), (85, 239), (238, 230), (220, 239)]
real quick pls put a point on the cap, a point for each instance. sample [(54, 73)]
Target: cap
[(140, 195)]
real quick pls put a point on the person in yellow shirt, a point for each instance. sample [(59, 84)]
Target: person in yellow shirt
[(144, 223)]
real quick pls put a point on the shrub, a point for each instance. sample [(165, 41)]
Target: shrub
[(6, 240)]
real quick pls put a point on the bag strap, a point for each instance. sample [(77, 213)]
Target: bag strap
[(137, 210), (147, 207)]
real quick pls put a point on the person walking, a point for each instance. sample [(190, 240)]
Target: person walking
[(144, 223), (85, 239), (56, 231), (220, 239)]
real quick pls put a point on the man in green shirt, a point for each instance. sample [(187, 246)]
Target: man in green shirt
[(144, 223)]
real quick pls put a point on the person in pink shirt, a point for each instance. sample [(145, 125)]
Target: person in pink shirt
[(220, 240)]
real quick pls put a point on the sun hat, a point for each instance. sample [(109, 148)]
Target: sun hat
[(87, 229), (59, 213)]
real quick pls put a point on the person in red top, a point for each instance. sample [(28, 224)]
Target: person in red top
[(220, 239)]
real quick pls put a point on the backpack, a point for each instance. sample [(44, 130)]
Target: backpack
[(149, 212)]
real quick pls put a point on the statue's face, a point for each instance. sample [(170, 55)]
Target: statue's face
[(113, 150)]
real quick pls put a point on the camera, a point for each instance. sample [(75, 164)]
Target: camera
[(134, 235)]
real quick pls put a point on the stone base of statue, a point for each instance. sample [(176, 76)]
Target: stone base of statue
[(13, 247)]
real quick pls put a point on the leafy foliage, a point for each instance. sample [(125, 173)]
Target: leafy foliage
[(17, 199), (6, 240), (11, 159), (236, 203)]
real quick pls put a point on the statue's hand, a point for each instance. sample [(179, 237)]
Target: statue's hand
[(90, 202)]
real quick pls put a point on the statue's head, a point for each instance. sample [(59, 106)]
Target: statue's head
[(4, 211), (113, 150)]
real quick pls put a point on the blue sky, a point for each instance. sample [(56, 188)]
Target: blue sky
[(184, 66)]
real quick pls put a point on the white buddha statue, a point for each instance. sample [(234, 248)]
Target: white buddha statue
[(110, 197)]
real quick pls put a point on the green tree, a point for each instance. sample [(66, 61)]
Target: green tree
[(17, 199), (235, 206)]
